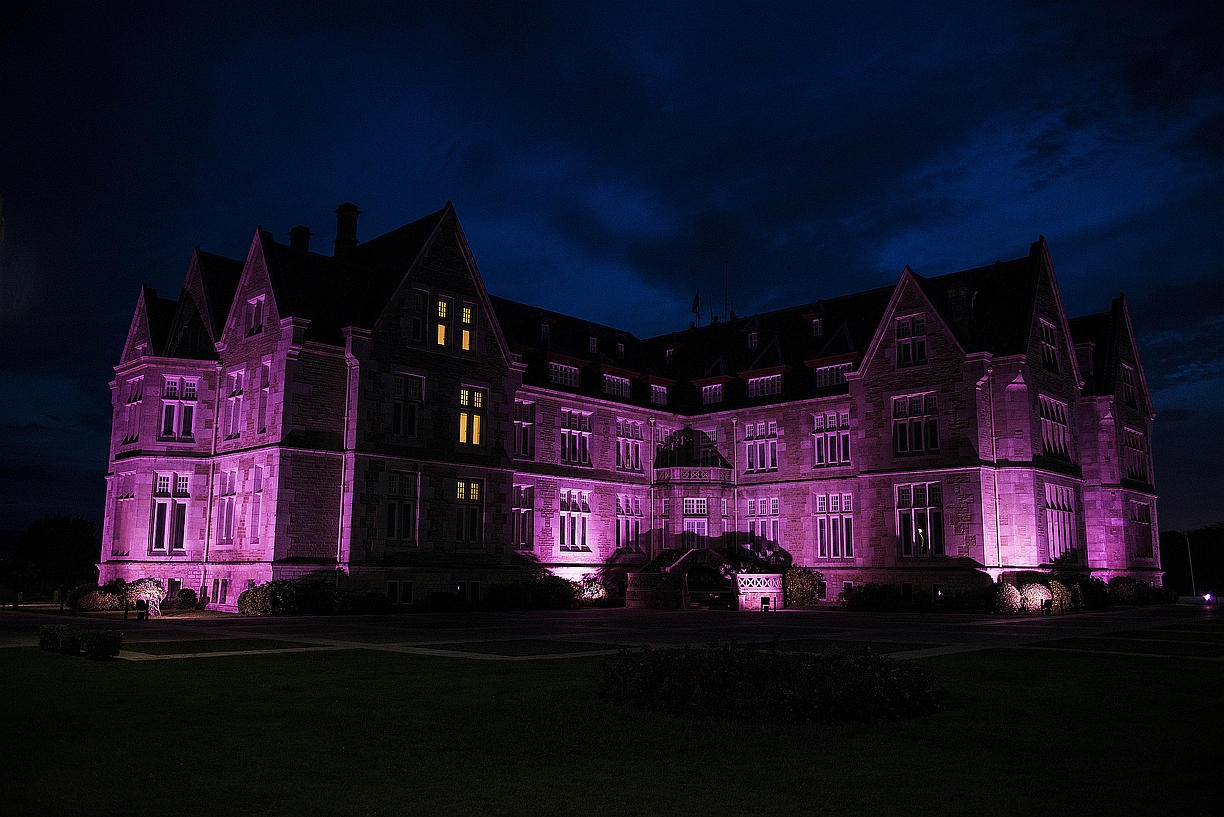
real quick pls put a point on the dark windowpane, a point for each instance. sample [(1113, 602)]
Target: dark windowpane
[(932, 433), (937, 534), (921, 532), (907, 533), (916, 435)]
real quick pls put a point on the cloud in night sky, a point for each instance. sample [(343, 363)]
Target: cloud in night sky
[(608, 162)]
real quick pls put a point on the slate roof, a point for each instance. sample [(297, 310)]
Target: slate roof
[(1101, 330), (159, 313)]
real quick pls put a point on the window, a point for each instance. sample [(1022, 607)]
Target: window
[(594, 345), (407, 392), (575, 509), (169, 511), (1055, 435), (523, 513), (256, 504), (711, 394), (469, 511), (1135, 454), (401, 507), (1139, 531), (563, 375), (1060, 521), (707, 447), (752, 340), (628, 521), (915, 423), (817, 327), (399, 592), (265, 390), (620, 350), (178, 408), (629, 445), (616, 386), (228, 523), (658, 395), (220, 591), (920, 528), (763, 520), (761, 446), (131, 410), (575, 437), (669, 354), (832, 375), (255, 316), (234, 405), (831, 439), (1049, 346), (911, 341), (834, 526), (543, 331), (444, 311), (524, 429), (1128, 386), (765, 386), (125, 504), (467, 321), (696, 506), (471, 415), (417, 321)]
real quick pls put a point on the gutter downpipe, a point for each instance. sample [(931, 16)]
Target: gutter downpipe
[(994, 457), (212, 466)]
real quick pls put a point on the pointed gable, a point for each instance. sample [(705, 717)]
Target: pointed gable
[(149, 326)]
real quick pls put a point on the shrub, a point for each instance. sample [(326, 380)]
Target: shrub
[(102, 644), (591, 590), (77, 593), (1126, 590), (98, 599), (65, 638), (185, 599), (1032, 596), (976, 600), (1007, 598), (255, 601), (1090, 593), (872, 598), (802, 586), (149, 590), (742, 683), (544, 593), (1060, 595), (115, 587)]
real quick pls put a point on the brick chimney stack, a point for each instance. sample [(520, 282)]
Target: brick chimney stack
[(346, 229), (299, 238)]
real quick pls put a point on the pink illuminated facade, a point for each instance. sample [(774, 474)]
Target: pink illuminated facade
[(376, 412)]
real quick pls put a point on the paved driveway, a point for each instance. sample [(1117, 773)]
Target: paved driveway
[(931, 634)]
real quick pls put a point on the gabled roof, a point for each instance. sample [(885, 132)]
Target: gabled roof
[(989, 309), (159, 312), (219, 276), (1101, 330)]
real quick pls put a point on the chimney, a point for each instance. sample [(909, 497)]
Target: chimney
[(346, 229), (299, 238)]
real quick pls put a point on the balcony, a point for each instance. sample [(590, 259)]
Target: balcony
[(692, 473)]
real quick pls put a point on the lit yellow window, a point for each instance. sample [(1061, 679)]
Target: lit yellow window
[(467, 315), (463, 426), (474, 491), (478, 399), (461, 491), (465, 397), (466, 340), (443, 309), (475, 429), (441, 334)]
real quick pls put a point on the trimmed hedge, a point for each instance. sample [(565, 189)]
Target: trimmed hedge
[(742, 683), (69, 640), (185, 599), (544, 593), (102, 644), (320, 598)]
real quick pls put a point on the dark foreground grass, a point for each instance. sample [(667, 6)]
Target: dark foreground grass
[(522, 647), (364, 732), (820, 645), (212, 645)]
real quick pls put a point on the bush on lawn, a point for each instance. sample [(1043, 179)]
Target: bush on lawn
[(1032, 596), (93, 600), (1060, 594), (1007, 598), (149, 590), (101, 644), (802, 585), (318, 597), (1126, 590), (872, 598), (185, 599), (591, 591), (63, 638), (742, 683), (544, 593)]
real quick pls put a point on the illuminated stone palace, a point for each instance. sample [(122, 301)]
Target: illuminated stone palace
[(376, 412)]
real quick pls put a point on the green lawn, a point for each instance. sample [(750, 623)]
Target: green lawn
[(212, 645), (1025, 732), (522, 647)]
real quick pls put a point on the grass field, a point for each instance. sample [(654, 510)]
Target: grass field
[(1024, 732), (212, 645)]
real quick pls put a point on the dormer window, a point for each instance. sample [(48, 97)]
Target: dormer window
[(1049, 346), (620, 350), (911, 341), (817, 327), (543, 331), (669, 354), (467, 341), (752, 340), (255, 316), (594, 345), (444, 311)]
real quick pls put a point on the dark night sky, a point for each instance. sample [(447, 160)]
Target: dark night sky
[(607, 162)]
